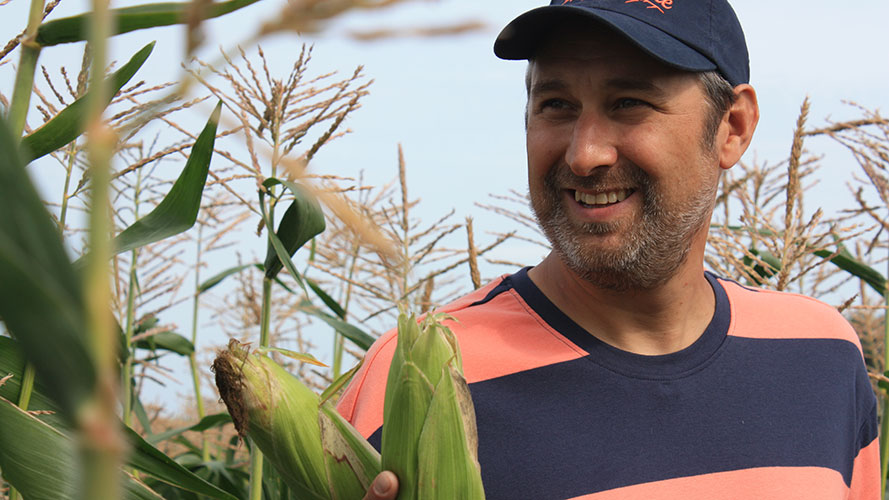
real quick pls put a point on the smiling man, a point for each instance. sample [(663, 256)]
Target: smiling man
[(618, 368)]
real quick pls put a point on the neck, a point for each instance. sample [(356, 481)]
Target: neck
[(654, 321)]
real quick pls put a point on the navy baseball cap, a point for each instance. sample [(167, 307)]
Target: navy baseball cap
[(694, 35)]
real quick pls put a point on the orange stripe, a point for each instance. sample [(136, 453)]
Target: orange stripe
[(765, 483), (780, 315), (866, 474)]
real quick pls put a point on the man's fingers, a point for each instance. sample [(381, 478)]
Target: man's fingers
[(384, 487)]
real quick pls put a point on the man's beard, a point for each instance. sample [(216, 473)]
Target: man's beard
[(653, 248)]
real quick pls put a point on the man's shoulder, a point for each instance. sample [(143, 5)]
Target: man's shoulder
[(763, 313)]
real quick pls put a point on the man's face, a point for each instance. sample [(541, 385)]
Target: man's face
[(620, 179)]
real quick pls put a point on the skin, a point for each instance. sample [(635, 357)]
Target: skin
[(384, 487), (602, 115), (605, 117)]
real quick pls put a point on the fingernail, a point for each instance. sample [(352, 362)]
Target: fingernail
[(383, 484)]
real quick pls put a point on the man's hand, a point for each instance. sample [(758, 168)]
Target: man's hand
[(384, 487)]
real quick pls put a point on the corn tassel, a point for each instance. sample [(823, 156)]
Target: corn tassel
[(429, 431), (317, 453)]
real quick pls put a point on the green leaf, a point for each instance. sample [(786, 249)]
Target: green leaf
[(42, 462), (763, 273), (12, 361), (68, 124), (327, 299), (178, 211), (340, 382), (298, 356), (846, 262), (208, 422), (167, 341), (451, 471), (358, 336), (302, 221), (75, 29), (152, 461), (217, 279), (41, 299)]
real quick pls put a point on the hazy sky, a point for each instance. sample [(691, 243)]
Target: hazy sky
[(457, 109)]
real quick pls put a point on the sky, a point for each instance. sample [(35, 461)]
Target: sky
[(457, 110)]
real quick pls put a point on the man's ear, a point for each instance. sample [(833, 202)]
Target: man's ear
[(736, 129)]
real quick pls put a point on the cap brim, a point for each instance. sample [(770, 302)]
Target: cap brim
[(521, 38)]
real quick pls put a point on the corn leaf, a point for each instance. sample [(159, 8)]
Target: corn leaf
[(143, 456), (167, 341), (298, 356), (41, 299), (150, 460), (12, 361), (218, 278), (302, 221), (845, 261), (178, 211), (208, 422), (333, 305), (68, 124), (348, 330), (340, 382), (41, 461), (75, 28)]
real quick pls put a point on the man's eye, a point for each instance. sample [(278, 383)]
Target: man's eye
[(628, 102), (553, 104)]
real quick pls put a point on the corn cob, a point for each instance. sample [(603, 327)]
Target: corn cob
[(429, 431), (317, 453)]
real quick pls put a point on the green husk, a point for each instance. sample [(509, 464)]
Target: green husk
[(284, 418), (430, 439)]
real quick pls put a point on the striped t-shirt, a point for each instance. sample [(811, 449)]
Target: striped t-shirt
[(773, 401)]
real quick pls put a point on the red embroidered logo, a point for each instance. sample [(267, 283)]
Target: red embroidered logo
[(660, 5)]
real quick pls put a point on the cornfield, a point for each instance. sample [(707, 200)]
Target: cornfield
[(142, 215)]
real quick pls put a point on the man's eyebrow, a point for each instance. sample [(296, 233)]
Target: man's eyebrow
[(646, 86), (550, 85), (642, 85)]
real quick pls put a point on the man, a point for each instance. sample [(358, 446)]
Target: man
[(617, 368)]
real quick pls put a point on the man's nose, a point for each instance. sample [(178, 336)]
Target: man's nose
[(592, 145)]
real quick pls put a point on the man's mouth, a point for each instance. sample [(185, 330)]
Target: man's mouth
[(603, 198)]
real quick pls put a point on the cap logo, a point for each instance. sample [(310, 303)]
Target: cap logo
[(660, 5)]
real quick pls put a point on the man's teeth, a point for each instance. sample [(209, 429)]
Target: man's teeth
[(601, 198)]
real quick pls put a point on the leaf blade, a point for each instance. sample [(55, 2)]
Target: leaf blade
[(68, 124)]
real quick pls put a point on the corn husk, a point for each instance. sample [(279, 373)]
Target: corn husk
[(429, 432), (317, 453)]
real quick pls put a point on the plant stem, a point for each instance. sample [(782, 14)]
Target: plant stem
[(24, 77), (884, 423), (195, 376), (24, 399), (100, 441), (255, 454), (127, 375)]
